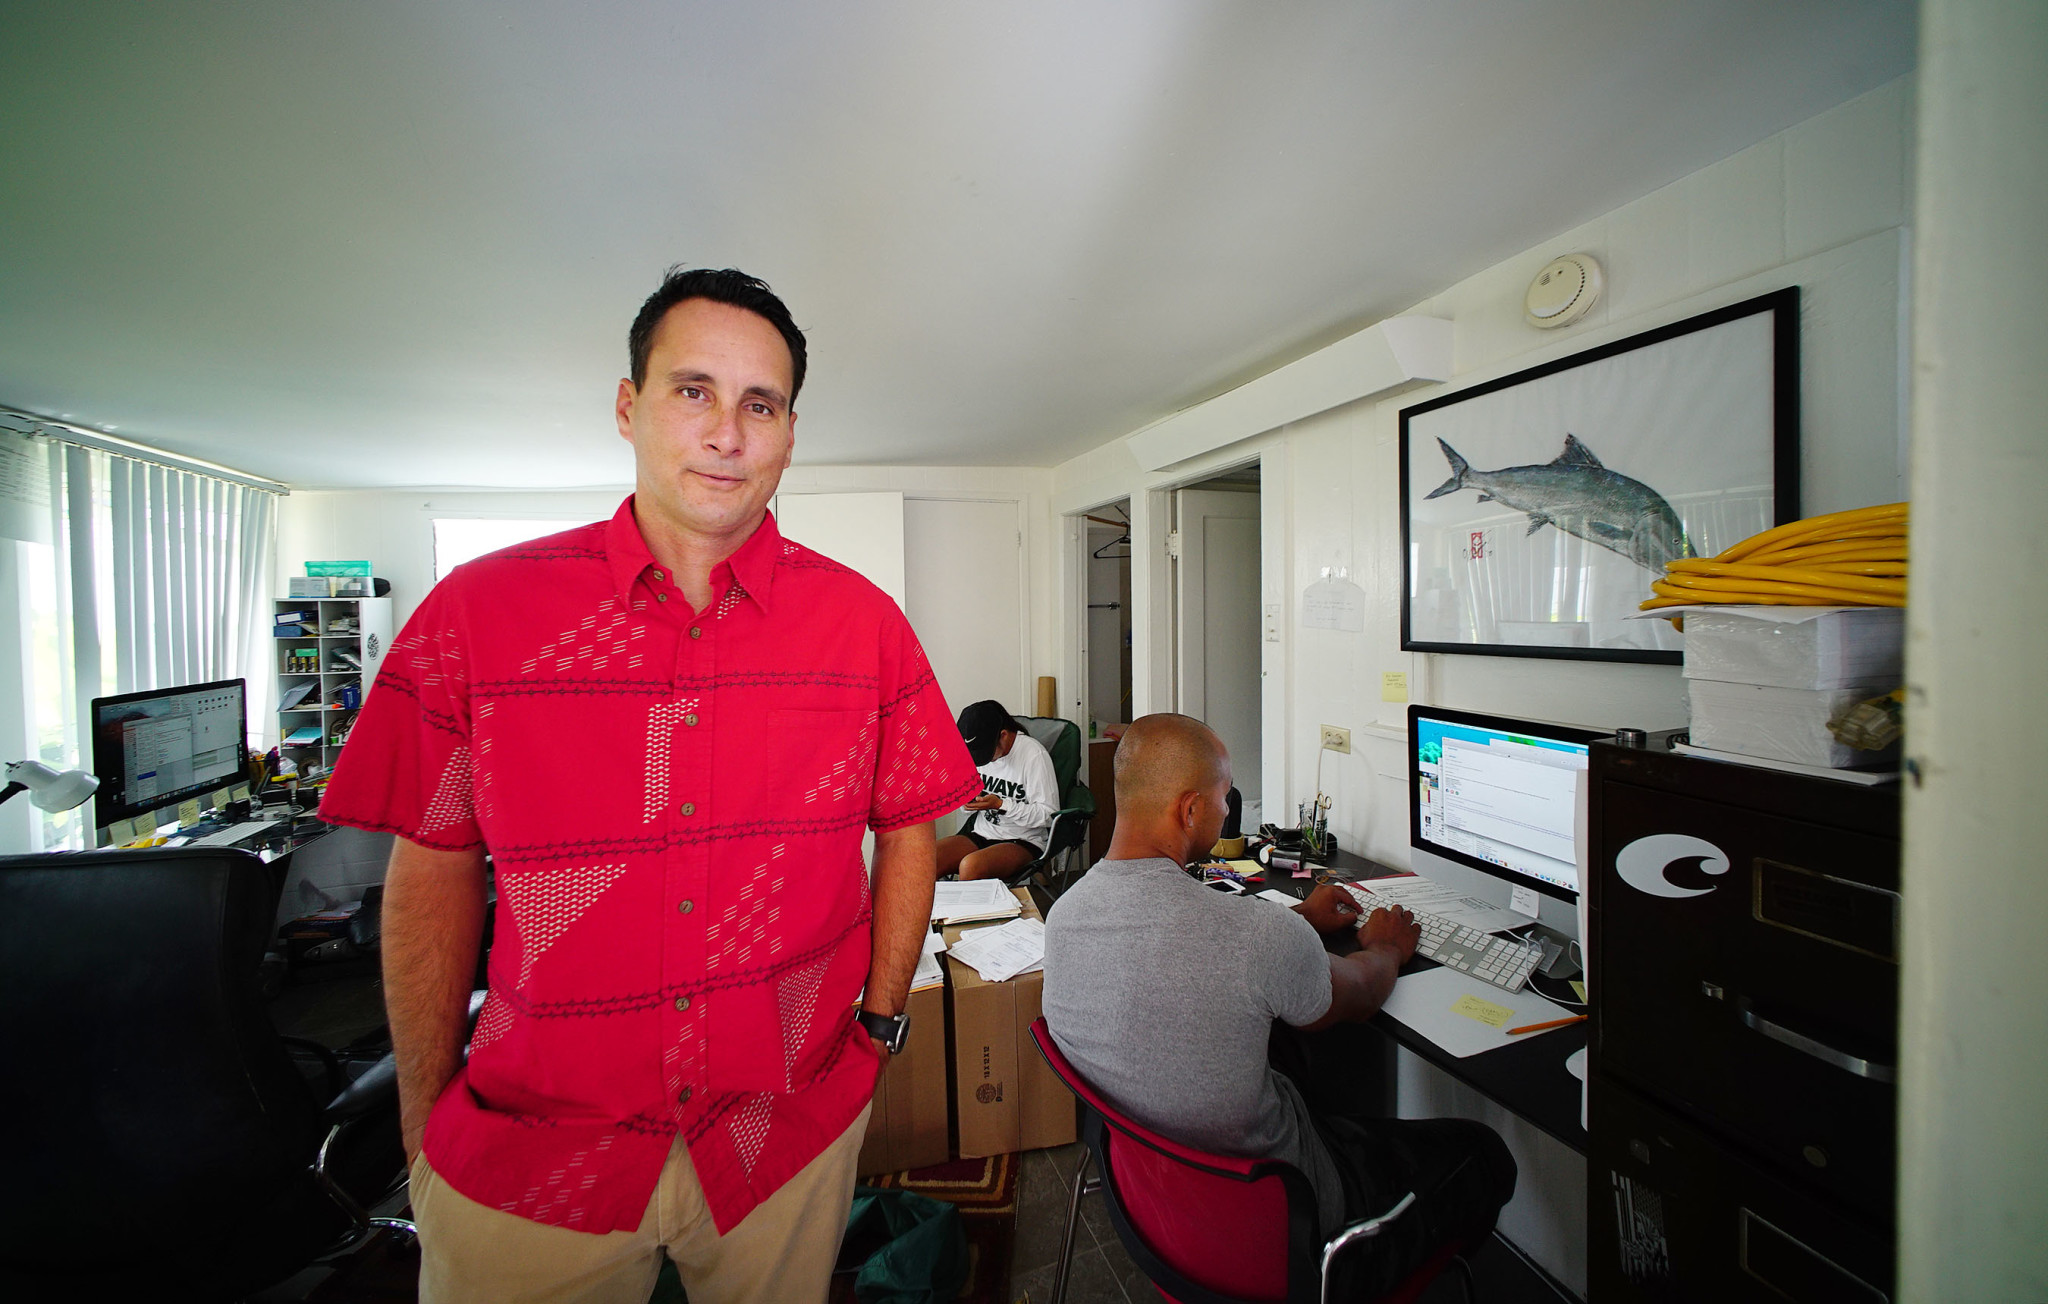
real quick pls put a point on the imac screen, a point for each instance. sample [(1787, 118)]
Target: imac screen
[(158, 748), (1502, 794)]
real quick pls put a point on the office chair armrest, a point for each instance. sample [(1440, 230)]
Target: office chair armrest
[(1364, 1229), (377, 1087)]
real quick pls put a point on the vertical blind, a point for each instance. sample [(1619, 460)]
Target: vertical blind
[(161, 577)]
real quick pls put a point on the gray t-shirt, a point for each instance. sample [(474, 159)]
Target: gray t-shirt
[(1163, 992)]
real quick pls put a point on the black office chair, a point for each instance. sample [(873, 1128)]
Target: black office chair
[(1064, 858), (161, 1144)]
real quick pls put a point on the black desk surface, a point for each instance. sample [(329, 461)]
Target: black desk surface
[(1529, 1079)]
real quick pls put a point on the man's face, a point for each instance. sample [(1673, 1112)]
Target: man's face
[(711, 426)]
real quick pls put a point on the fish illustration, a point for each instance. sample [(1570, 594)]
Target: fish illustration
[(1578, 495)]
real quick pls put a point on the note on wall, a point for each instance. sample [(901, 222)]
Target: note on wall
[(24, 488), (1333, 602)]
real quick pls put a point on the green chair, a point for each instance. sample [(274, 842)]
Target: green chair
[(1066, 853)]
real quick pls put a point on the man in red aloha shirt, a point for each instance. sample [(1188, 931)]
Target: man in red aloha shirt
[(668, 732)]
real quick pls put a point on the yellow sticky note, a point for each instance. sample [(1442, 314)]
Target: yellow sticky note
[(240, 792), (1493, 1016), (188, 812), (120, 833), (1393, 685), (1580, 989)]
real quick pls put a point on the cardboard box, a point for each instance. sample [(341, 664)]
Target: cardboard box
[(1005, 1097), (909, 1127)]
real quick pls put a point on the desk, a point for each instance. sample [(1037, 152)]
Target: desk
[(1528, 1080)]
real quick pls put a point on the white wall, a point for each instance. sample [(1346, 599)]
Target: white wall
[(1973, 1081), (394, 528), (1823, 205)]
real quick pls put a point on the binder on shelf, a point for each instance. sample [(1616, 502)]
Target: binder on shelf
[(302, 736), (296, 694)]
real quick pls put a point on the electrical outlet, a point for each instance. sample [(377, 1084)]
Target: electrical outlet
[(1336, 740)]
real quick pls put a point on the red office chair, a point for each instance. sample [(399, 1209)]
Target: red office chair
[(1209, 1229)]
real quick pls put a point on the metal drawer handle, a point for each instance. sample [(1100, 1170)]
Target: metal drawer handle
[(1820, 1050)]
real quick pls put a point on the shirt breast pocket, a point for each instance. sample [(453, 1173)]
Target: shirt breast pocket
[(824, 761)]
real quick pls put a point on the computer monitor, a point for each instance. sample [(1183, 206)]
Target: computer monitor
[(1496, 803), (167, 745)]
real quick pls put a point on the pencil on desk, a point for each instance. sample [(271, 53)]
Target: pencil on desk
[(1539, 1027)]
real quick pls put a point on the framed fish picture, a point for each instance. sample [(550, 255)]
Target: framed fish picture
[(1537, 508)]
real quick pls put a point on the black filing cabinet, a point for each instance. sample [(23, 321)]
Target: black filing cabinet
[(1743, 939)]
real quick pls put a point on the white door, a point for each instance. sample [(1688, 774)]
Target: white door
[(1217, 587), (964, 593), (862, 532)]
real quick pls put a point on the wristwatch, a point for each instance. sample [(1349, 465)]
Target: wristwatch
[(892, 1030)]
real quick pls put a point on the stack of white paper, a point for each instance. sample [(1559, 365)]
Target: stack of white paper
[(955, 902), (1000, 954), (928, 972)]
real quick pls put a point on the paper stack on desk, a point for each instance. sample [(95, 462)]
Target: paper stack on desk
[(1427, 898), (929, 971), (1000, 954), (982, 898)]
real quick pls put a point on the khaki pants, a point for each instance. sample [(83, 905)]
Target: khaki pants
[(782, 1251)]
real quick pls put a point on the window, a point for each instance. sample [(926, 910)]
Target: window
[(458, 539)]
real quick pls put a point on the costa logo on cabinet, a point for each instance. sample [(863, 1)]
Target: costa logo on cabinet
[(1671, 865)]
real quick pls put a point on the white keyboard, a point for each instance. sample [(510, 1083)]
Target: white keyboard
[(234, 833), (1506, 962)]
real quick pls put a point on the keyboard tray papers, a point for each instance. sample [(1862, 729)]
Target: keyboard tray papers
[(1427, 898), (1424, 1001)]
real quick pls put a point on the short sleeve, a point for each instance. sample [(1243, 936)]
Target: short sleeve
[(922, 769), (1296, 972), (407, 767)]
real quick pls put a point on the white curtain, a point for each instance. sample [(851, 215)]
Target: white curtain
[(157, 577)]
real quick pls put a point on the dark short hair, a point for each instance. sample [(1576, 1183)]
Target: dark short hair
[(726, 285)]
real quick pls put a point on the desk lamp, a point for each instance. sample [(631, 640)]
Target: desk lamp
[(52, 790)]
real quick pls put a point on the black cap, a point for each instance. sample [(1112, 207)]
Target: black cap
[(981, 725)]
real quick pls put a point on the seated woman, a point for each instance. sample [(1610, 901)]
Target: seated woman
[(1020, 794)]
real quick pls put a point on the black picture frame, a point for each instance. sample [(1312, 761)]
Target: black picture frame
[(1676, 441)]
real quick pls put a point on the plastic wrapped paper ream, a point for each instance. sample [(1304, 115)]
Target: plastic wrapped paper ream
[(1816, 647), (1784, 724)]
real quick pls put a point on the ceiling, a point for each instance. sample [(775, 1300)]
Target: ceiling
[(381, 244)]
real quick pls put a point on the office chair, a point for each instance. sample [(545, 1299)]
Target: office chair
[(1209, 1229), (1069, 834), (161, 1143)]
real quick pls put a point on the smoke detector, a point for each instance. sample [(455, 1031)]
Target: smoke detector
[(1564, 291)]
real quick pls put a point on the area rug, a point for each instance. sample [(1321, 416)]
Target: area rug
[(985, 1192)]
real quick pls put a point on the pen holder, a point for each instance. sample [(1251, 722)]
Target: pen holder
[(1326, 855)]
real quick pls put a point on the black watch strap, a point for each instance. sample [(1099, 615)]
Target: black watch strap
[(892, 1030)]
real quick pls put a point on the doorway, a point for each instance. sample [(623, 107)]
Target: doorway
[(1216, 588), (1108, 624)]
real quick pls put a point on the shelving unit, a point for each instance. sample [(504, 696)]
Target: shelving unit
[(324, 669)]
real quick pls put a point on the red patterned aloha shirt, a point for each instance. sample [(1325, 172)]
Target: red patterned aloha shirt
[(673, 803)]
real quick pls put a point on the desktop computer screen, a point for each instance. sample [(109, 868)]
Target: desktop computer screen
[(158, 748), (1498, 795)]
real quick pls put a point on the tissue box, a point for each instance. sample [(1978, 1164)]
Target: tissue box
[(1795, 647), (1784, 724)]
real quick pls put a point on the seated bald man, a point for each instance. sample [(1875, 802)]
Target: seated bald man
[(1163, 993)]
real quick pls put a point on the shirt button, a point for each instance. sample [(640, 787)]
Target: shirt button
[(696, 632), (691, 719), (686, 906), (656, 574), (683, 1096), (661, 597), (682, 1002), (689, 808)]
